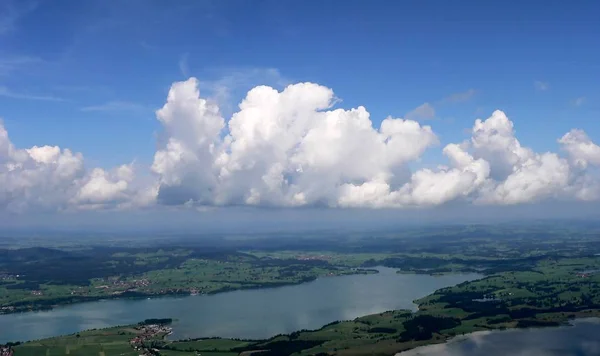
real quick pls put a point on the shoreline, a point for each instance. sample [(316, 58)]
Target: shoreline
[(134, 295), (461, 338), (410, 351), (411, 308), (560, 318), (140, 296)]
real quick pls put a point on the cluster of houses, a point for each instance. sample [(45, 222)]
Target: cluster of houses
[(147, 333), (117, 283), (7, 276), (7, 309), (115, 286), (6, 351), (313, 257)]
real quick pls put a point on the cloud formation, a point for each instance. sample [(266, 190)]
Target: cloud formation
[(460, 97), (49, 178), (287, 148), (184, 68), (6, 92), (294, 148), (116, 106), (13, 63), (239, 81), (12, 11), (424, 111)]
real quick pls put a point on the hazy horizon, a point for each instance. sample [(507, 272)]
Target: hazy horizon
[(253, 220)]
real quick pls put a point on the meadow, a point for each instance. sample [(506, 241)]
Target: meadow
[(41, 278)]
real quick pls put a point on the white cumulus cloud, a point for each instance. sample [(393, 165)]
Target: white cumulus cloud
[(294, 147), (580, 148), (50, 178), (283, 148)]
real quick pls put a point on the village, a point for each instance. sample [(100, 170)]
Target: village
[(142, 342), (109, 285), (6, 351), (117, 286)]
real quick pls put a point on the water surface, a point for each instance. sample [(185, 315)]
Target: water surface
[(580, 339), (258, 313)]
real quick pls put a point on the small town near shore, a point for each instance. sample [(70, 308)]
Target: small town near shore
[(145, 334)]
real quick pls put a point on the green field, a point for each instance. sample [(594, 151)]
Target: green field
[(112, 341), (144, 274)]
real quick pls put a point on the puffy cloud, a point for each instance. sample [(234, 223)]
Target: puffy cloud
[(101, 187), (283, 148), (518, 175), (580, 148), (426, 187), (582, 153), (437, 187), (534, 178), (51, 178), (36, 177), (494, 140), (292, 148), (185, 165)]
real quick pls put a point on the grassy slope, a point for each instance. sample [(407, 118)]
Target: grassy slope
[(111, 341)]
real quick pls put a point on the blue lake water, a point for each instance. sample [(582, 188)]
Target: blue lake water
[(580, 339), (258, 313)]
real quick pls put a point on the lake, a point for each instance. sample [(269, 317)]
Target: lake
[(580, 339), (258, 313)]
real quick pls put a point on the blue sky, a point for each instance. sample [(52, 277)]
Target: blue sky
[(389, 57), (89, 75)]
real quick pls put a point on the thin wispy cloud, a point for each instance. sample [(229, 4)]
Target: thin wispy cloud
[(82, 88), (184, 68), (148, 46), (116, 106), (422, 112), (541, 86), (223, 90), (578, 101), (460, 96), (11, 12), (7, 93), (8, 64)]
